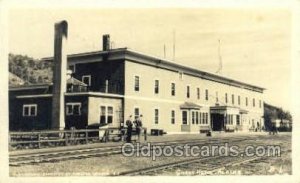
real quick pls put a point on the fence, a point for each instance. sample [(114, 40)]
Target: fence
[(48, 138)]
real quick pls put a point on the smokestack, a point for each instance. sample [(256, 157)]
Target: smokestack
[(106, 42), (59, 75)]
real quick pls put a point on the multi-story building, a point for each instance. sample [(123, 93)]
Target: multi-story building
[(117, 83)]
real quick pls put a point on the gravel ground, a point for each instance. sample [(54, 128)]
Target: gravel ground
[(111, 165)]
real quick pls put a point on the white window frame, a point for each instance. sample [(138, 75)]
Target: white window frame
[(206, 95), (260, 102), (87, 76), (157, 86), (30, 106), (139, 83), (136, 107), (106, 112), (73, 104), (174, 89), (198, 93), (188, 91), (173, 117), (193, 117), (155, 116)]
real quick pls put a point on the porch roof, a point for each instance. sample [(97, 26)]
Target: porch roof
[(189, 105)]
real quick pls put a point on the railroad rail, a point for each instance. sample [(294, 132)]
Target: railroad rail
[(60, 155), (209, 165)]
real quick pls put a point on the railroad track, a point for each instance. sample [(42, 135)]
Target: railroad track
[(204, 165), (17, 160)]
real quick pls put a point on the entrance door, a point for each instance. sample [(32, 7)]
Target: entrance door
[(184, 118), (218, 122)]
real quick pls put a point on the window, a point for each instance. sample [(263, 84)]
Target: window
[(136, 112), (72, 68), (102, 115), (106, 114), (173, 89), (206, 114), (198, 93), (197, 117), (156, 86), (253, 102), (259, 103), (184, 117), (86, 79), (188, 91), (156, 116), (193, 117), (203, 118), (238, 119), (232, 99), (226, 98), (110, 114), (29, 109), (239, 100), (246, 101), (206, 94), (136, 83), (73, 109), (173, 117), (200, 117)]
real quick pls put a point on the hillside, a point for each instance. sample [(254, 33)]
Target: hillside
[(15, 80), (29, 70)]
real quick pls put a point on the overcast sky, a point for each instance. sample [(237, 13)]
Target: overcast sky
[(255, 43)]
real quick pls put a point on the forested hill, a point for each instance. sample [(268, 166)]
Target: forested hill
[(28, 69)]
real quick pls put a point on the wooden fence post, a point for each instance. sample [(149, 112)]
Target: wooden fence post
[(86, 136), (66, 138), (39, 140)]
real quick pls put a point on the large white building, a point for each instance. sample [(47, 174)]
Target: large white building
[(171, 97)]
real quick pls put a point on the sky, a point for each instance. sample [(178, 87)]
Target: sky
[(255, 44)]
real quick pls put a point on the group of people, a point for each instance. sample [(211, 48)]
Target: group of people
[(138, 126)]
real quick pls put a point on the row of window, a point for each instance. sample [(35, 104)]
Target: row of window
[(199, 117), (71, 109), (188, 92)]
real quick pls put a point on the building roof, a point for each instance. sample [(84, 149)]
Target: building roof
[(75, 81), (134, 56)]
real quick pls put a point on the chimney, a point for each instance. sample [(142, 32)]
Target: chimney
[(105, 42), (59, 75)]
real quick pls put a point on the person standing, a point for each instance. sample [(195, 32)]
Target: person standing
[(139, 125), (129, 129)]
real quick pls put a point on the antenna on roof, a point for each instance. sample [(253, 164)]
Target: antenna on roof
[(174, 42), (219, 71)]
